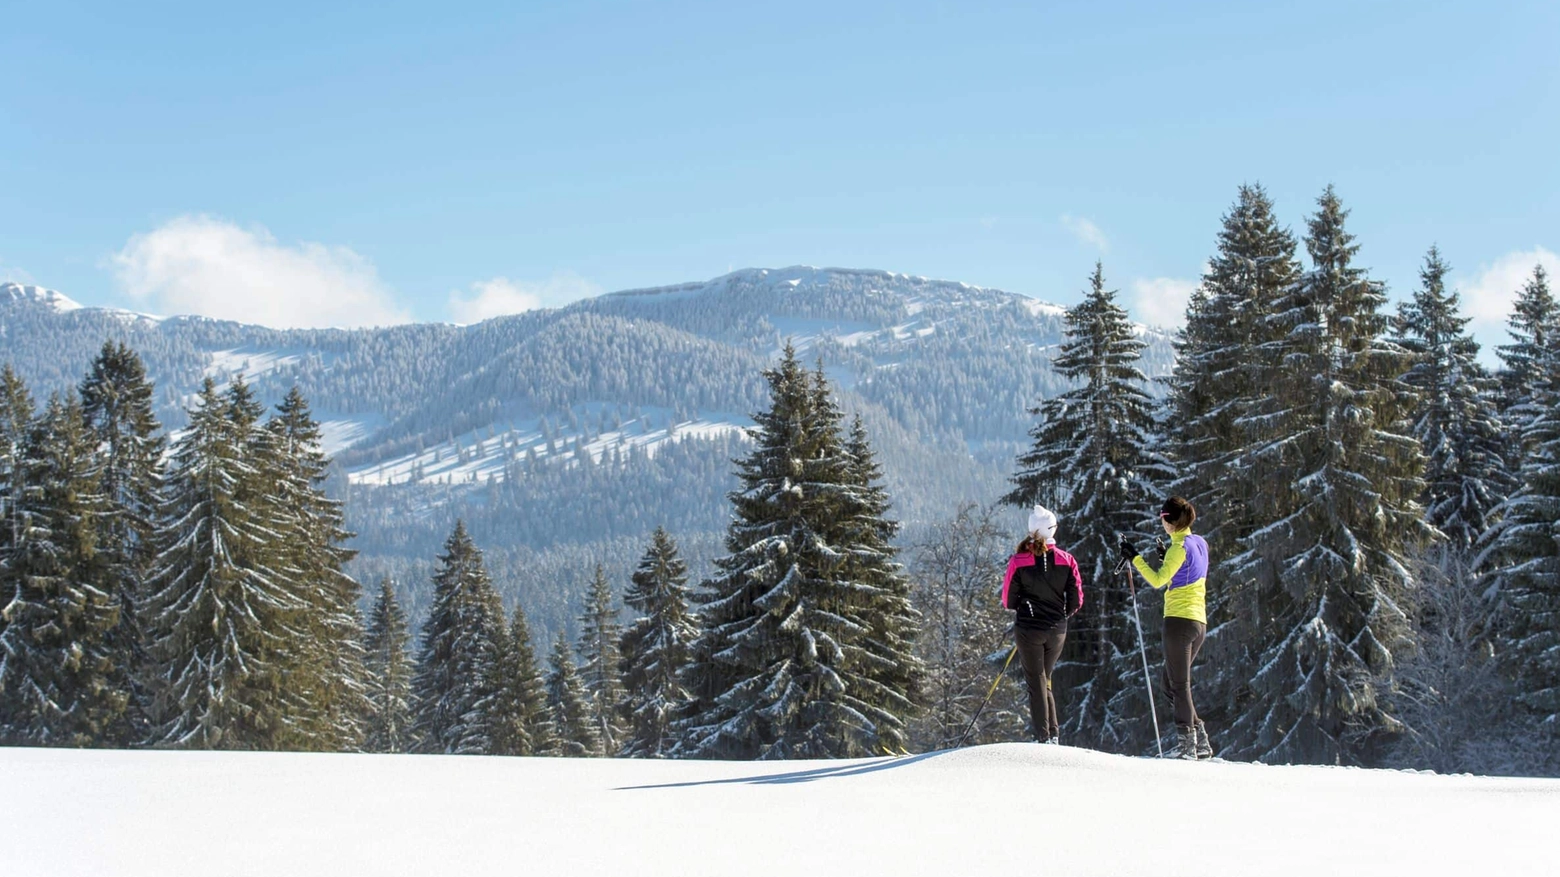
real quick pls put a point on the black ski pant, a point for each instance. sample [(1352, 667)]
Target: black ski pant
[(1038, 651), (1183, 639)]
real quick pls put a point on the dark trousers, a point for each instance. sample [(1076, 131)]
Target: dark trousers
[(1183, 639), (1038, 651)]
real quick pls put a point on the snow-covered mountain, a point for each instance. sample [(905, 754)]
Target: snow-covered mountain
[(36, 295), (428, 422), (865, 324), (1011, 808)]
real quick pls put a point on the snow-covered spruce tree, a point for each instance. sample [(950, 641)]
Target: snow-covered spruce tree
[(1455, 419), (16, 415), (778, 668), (964, 639), (1523, 554), (388, 673), (1339, 476), (1534, 327), (1215, 379), (59, 686), (496, 725), (460, 640), (520, 722), (222, 615), (117, 401), (601, 666), (1091, 463), (892, 673), (573, 723), (655, 646), (330, 674)]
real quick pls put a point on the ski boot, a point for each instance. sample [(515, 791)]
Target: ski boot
[(1185, 743), (1204, 745)]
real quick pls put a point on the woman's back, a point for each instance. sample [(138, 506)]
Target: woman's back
[(1043, 587)]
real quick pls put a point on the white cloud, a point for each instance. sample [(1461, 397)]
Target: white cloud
[(1161, 301), (1487, 299), (206, 266), (500, 296), (1085, 230)]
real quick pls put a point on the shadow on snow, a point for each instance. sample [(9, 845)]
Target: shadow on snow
[(801, 776)]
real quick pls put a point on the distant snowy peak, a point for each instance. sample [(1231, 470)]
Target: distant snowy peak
[(56, 301), (60, 303), (914, 291)]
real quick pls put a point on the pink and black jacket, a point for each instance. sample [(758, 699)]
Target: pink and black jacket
[(1045, 591)]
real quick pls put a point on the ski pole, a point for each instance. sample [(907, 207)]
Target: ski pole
[(1143, 650), (989, 693)]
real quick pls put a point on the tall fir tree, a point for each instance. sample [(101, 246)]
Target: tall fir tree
[(1534, 328), (519, 718), (117, 401), (1216, 377), (1091, 463), (573, 723), (1526, 570), (1522, 550), (1455, 420), (655, 646), (1339, 476), (16, 415), (1217, 381), (892, 674), (601, 664), (779, 669), (460, 639), (329, 662), (388, 673), (59, 685), (222, 614)]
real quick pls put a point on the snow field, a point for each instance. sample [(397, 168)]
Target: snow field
[(339, 432), (485, 453), (253, 362), (1013, 808)]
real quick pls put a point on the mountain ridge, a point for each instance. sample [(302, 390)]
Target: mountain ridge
[(569, 433)]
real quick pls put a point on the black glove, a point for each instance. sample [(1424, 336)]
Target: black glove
[(1128, 550)]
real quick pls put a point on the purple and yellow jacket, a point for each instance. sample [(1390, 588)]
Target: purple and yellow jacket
[(1185, 571), (1045, 591)]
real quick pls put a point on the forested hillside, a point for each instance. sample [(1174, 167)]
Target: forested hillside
[(564, 437)]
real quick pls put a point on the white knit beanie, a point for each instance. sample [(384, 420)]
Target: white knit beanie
[(1042, 522)]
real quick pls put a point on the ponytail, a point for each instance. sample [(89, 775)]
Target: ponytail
[(1032, 544), (1178, 513)]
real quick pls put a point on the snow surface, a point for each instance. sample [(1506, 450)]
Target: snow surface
[(1008, 809)]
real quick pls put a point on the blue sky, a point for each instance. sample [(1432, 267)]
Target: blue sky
[(295, 164)]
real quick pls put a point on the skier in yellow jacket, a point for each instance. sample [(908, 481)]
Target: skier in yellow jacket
[(1184, 573)]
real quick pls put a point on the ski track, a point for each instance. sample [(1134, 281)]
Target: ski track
[(1011, 808)]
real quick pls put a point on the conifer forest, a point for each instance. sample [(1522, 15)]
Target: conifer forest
[(1382, 512)]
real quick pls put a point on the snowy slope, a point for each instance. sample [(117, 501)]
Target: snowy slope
[(1009, 809), (55, 301), (478, 455)]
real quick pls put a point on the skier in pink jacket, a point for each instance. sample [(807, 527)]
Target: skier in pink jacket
[(1043, 586)]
